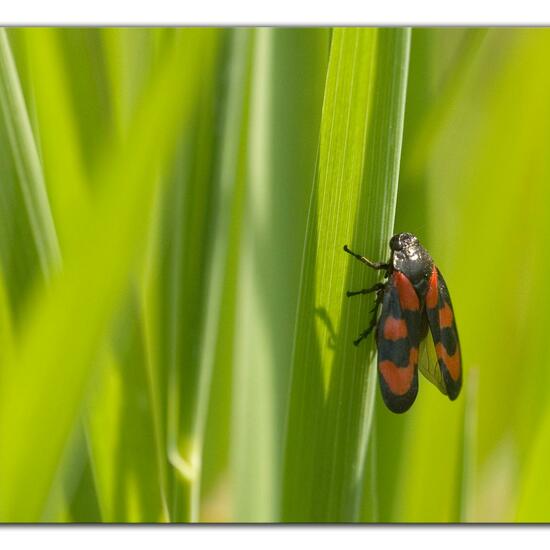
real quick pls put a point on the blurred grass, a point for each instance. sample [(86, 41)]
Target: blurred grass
[(27, 163), (53, 330), (175, 341), (282, 148)]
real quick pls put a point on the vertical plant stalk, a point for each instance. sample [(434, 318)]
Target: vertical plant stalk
[(191, 374), (353, 202), (150, 319), (251, 382), (229, 179), (286, 100), (27, 162)]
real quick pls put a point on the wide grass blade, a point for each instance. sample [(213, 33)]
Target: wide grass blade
[(353, 202)]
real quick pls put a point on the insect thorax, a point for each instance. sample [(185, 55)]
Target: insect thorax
[(415, 263)]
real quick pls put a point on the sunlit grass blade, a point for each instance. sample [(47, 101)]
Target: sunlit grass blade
[(61, 147), (353, 202), (27, 161)]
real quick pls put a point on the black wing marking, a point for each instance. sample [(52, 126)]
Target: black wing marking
[(397, 339), (442, 324)]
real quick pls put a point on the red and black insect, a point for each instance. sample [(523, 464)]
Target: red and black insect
[(414, 298)]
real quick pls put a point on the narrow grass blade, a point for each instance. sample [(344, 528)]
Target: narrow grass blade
[(27, 162), (229, 179), (353, 202), (289, 74), (60, 144), (175, 291)]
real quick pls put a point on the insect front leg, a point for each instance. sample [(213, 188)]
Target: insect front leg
[(374, 265)]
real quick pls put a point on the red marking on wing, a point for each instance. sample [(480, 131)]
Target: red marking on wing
[(399, 379), (395, 329), (407, 294), (432, 296), (452, 362), (446, 316)]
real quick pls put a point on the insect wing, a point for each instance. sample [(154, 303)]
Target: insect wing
[(397, 339), (429, 366), (439, 311)]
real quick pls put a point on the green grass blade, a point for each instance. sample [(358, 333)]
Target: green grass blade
[(19, 255), (285, 115), (353, 202), (222, 254), (191, 233), (30, 179), (131, 468), (120, 428), (27, 161), (61, 147)]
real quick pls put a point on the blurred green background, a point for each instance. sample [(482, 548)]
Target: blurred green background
[(175, 340)]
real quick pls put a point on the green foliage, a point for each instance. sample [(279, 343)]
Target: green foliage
[(353, 200), (175, 339)]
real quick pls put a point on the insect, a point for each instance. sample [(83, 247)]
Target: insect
[(414, 299)]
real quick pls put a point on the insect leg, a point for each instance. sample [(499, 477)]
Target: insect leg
[(365, 333), (372, 324), (374, 288), (374, 265)]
